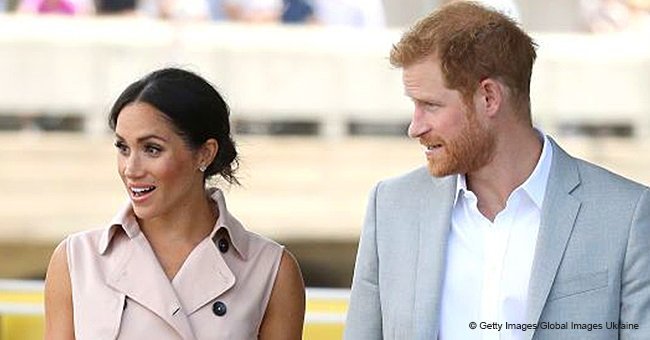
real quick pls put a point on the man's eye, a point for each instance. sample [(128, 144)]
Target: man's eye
[(430, 106)]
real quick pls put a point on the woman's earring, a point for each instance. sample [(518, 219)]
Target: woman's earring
[(202, 168)]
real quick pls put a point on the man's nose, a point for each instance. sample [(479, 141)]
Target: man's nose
[(418, 126)]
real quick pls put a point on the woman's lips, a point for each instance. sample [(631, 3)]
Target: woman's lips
[(141, 193)]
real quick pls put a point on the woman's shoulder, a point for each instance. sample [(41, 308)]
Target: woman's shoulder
[(87, 238), (259, 242), (285, 311), (254, 250), (247, 242), (89, 234), (91, 245)]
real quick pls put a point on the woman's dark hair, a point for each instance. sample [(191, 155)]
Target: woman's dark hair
[(195, 109)]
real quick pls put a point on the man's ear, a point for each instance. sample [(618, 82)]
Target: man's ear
[(491, 95)]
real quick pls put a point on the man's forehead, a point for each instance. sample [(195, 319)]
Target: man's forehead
[(431, 58)]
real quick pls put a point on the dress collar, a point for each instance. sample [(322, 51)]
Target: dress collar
[(125, 220)]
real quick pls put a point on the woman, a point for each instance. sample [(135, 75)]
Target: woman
[(174, 263)]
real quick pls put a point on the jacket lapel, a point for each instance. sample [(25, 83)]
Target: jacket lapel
[(436, 197), (557, 220), (137, 273)]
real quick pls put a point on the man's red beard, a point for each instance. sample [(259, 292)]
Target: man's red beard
[(468, 151)]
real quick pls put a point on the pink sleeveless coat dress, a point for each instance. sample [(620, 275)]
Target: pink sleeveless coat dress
[(120, 291)]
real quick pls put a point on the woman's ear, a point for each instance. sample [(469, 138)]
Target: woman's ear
[(207, 153)]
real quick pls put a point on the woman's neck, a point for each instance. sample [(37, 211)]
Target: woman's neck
[(191, 221)]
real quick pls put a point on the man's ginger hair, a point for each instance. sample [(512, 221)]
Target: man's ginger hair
[(472, 43)]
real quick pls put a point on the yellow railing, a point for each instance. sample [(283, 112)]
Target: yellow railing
[(21, 311), (326, 309)]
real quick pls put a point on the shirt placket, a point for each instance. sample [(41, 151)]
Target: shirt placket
[(495, 246)]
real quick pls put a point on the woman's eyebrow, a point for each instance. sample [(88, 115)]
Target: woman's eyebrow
[(143, 138)]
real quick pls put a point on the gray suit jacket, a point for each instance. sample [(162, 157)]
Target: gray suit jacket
[(591, 265)]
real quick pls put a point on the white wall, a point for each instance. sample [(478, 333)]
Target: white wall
[(330, 76)]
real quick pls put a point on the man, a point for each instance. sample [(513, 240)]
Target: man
[(505, 235)]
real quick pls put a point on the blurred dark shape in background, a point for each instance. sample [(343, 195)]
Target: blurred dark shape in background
[(297, 12), (111, 7)]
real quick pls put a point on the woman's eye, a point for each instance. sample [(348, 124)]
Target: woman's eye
[(121, 147), (153, 150)]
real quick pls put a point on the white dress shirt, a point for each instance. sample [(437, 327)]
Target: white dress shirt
[(488, 264)]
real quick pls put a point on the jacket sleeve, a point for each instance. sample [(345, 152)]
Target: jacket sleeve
[(635, 290), (364, 320)]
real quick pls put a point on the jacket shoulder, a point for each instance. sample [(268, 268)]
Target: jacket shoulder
[(412, 180), (595, 181), (604, 181)]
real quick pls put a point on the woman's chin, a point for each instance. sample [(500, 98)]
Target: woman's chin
[(144, 213)]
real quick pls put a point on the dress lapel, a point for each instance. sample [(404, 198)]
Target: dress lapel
[(436, 197), (557, 220), (203, 277), (134, 270), (137, 273)]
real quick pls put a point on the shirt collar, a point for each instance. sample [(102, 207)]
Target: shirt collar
[(125, 220), (535, 184), (461, 186)]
